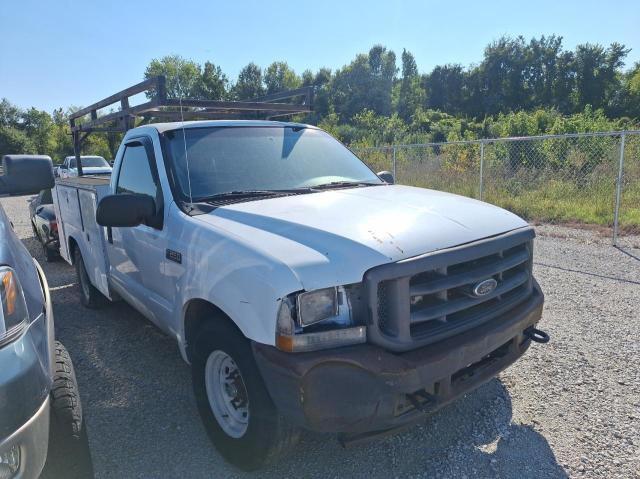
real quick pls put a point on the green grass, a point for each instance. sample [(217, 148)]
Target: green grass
[(545, 196)]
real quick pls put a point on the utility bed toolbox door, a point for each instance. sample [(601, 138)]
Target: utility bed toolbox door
[(65, 202), (93, 253)]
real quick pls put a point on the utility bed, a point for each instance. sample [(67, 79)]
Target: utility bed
[(75, 202)]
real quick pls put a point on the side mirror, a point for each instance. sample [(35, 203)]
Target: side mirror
[(125, 210), (26, 174), (387, 177)]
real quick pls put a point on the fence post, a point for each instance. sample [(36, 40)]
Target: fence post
[(394, 164), (618, 191), (481, 168)]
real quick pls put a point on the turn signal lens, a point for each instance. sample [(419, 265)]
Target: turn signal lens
[(13, 309), (10, 291), (323, 340)]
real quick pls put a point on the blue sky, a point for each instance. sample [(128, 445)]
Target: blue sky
[(69, 52)]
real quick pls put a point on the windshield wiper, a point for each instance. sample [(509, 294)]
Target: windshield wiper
[(239, 194), (343, 184)]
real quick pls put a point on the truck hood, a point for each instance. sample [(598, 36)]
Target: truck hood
[(334, 237)]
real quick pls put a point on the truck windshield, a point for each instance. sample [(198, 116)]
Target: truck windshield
[(90, 161), (235, 159)]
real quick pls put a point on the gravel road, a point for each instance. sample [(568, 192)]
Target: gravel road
[(569, 408)]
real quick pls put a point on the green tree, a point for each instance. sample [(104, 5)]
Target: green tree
[(383, 69), (365, 83), (15, 141), (10, 115), (38, 126), (308, 78), (279, 77), (445, 87), (213, 83), (504, 79), (631, 82), (542, 64), (63, 143), (322, 97), (596, 71), (411, 94), (249, 84), (183, 76), (564, 83)]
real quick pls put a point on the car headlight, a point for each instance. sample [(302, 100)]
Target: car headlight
[(314, 306), (319, 319), (13, 313), (9, 462)]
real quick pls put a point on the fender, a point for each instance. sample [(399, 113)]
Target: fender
[(223, 270)]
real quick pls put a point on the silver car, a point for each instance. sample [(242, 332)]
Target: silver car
[(41, 418)]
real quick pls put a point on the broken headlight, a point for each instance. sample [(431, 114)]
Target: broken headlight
[(320, 319)]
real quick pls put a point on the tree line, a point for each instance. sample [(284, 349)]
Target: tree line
[(519, 87)]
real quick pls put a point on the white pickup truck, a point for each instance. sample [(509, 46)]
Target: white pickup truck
[(92, 165), (304, 290)]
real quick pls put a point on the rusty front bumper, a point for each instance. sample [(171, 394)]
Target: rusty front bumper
[(364, 388)]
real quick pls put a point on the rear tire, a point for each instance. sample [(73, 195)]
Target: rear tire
[(90, 297), (49, 254), (248, 442)]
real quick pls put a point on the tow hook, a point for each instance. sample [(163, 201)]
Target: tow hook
[(422, 401), (536, 335)]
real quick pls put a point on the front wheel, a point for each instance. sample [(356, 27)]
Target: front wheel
[(68, 454), (236, 409)]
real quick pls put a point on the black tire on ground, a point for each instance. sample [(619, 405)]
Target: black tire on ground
[(268, 435), (49, 254), (90, 297), (65, 398), (68, 454)]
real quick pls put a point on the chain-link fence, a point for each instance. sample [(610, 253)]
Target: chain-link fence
[(589, 178)]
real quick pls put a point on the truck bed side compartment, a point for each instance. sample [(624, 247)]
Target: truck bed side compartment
[(76, 202)]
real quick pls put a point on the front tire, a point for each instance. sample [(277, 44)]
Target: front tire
[(68, 454), (90, 297), (234, 404)]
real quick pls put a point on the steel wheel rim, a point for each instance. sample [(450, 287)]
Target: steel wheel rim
[(227, 394)]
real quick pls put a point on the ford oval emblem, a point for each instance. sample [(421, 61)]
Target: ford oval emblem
[(485, 287)]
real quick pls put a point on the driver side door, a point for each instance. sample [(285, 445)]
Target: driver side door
[(137, 254)]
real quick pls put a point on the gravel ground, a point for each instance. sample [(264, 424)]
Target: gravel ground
[(569, 408)]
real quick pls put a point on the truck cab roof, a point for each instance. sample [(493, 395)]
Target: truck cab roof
[(162, 127)]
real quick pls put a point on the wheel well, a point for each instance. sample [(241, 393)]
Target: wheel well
[(197, 313)]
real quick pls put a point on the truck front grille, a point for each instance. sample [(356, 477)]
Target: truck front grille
[(423, 300)]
